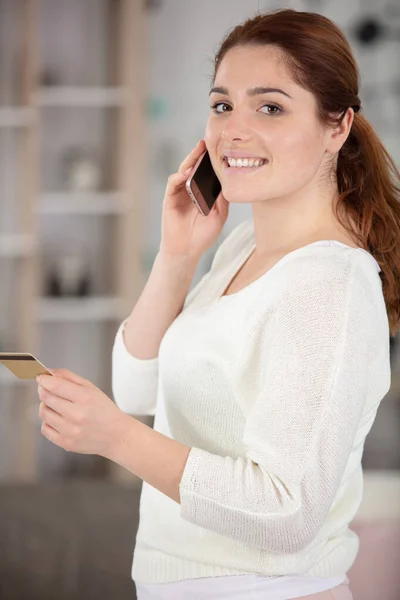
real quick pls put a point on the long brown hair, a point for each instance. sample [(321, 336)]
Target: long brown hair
[(320, 60)]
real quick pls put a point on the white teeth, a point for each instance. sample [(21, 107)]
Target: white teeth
[(245, 162)]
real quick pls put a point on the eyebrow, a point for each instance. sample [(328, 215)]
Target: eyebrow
[(256, 91)]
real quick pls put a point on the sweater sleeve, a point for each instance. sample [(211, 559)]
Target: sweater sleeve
[(134, 380), (305, 377)]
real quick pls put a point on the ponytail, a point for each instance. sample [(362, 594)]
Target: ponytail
[(368, 184)]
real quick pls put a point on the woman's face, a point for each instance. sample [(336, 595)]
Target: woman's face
[(279, 127)]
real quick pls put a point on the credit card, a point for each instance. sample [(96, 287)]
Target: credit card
[(24, 365)]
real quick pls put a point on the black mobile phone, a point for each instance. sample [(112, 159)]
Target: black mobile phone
[(203, 185)]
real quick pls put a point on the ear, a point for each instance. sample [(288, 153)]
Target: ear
[(338, 135)]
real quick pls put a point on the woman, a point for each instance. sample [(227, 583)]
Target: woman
[(265, 379)]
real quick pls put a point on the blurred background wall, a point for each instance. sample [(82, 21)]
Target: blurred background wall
[(99, 102)]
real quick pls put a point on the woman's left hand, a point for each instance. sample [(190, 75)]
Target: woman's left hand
[(78, 416)]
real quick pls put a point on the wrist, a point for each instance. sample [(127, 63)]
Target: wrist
[(176, 271), (177, 261), (120, 435)]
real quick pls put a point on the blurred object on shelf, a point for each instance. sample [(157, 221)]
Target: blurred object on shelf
[(370, 29), (81, 170), (69, 276), (153, 4), (157, 108), (49, 77)]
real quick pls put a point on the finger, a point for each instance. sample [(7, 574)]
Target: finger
[(176, 182), (50, 433), (192, 157), (70, 376), (60, 405), (63, 388), (50, 416)]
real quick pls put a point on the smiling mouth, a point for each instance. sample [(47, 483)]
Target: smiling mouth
[(244, 164)]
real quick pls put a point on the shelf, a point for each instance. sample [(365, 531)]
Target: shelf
[(81, 203), (16, 245), (80, 96), (99, 106), (16, 116), (94, 308)]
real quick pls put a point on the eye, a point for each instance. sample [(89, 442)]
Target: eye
[(221, 107), (277, 109), (216, 106)]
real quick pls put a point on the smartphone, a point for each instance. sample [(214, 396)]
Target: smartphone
[(23, 365), (203, 185)]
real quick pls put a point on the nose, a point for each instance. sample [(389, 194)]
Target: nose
[(236, 128)]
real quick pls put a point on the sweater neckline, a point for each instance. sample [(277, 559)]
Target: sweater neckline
[(248, 250)]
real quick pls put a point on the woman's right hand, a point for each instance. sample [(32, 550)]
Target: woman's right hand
[(186, 232)]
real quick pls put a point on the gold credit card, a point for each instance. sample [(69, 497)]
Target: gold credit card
[(23, 365)]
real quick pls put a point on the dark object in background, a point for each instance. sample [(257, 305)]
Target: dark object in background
[(69, 276), (153, 4), (49, 77), (54, 287), (370, 30)]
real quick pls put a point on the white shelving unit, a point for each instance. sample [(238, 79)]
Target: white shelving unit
[(97, 50), (81, 96), (78, 203)]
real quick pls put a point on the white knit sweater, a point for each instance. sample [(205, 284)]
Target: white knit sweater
[(274, 388)]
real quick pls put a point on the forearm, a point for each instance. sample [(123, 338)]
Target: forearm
[(159, 304), (152, 456)]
